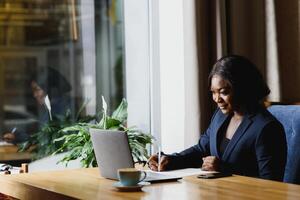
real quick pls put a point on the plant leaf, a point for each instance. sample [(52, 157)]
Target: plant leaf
[(121, 112), (111, 122)]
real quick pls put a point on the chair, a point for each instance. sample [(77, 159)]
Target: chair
[(289, 117)]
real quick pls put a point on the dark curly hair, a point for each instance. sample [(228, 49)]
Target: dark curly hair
[(244, 78)]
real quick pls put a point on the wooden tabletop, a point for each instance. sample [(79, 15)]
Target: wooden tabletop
[(88, 184), (10, 153)]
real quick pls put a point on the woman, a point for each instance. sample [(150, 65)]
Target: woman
[(48, 82), (243, 137), (51, 83)]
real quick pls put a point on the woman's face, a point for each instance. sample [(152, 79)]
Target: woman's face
[(38, 93), (222, 94)]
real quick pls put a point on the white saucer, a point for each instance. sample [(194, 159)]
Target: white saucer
[(124, 188)]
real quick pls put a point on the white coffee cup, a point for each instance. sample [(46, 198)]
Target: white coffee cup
[(131, 176)]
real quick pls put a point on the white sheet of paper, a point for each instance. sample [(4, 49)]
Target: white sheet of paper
[(183, 172)]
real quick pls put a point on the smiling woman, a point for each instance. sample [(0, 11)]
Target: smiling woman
[(238, 75), (243, 137), (222, 93)]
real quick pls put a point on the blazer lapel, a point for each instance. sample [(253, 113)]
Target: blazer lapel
[(215, 135), (237, 136)]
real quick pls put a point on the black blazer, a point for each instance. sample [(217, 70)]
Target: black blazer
[(257, 149)]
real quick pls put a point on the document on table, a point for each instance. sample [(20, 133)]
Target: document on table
[(183, 172), (3, 143)]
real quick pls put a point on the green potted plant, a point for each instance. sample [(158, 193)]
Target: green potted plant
[(42, 141), (77, 141)]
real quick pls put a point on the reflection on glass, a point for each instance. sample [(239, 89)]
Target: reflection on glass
[(70, 50)]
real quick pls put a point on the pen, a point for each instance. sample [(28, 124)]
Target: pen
[(159, 158)]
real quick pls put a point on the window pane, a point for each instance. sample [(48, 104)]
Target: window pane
[(70, 50)]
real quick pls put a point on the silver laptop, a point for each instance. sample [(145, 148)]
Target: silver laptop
[(113, 152)]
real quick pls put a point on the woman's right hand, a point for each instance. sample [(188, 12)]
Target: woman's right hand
[(9, 137), (155, 166)]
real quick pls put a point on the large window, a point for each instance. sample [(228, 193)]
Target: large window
[(71, 50), (161, 66)]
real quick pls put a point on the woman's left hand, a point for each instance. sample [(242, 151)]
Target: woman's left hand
[(210, 163)]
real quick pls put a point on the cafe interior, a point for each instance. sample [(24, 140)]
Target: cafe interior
[(140, 67)]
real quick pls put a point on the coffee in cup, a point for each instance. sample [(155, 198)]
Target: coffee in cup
[(131, 176)]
